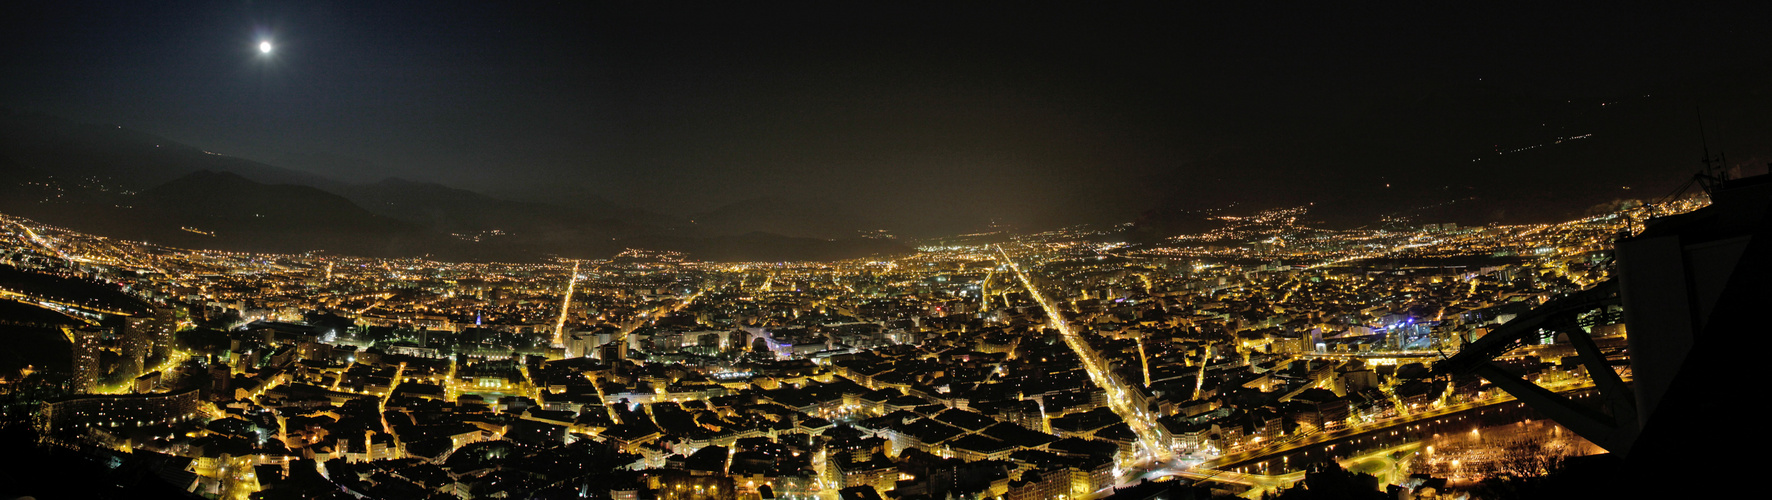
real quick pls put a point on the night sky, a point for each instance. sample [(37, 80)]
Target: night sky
[(933, 116)]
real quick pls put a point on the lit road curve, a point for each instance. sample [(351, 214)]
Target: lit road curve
[(1118, 396), (1260, 484), (1367, 355), (1257, 483), (1352, 432)]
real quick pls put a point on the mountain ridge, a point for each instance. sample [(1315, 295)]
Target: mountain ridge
[(118, 182)]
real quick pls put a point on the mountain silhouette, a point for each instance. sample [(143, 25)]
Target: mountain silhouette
[(118, 182)]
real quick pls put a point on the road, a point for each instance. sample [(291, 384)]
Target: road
[(1119, 399), (1386, 425), (565, 307)]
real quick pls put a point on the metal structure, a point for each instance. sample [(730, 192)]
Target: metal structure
[(1615, 425)]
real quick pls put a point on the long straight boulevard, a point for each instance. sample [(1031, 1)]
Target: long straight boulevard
[(1119, 397)]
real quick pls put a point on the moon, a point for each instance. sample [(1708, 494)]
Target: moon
[(264, 47)]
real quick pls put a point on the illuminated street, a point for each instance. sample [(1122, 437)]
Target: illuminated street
[(877, 250)]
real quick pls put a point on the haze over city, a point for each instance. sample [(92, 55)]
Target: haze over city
[(925, 119)]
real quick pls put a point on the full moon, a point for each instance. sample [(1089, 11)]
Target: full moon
[(264, 47)]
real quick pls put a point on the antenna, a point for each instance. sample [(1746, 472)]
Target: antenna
[(1714, 174)]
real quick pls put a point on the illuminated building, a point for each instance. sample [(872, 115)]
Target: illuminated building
[(118, 411), (87, 342)]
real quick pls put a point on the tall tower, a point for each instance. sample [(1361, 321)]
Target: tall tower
[(146, 337), (87, 342), (165, 324), (137, 344)]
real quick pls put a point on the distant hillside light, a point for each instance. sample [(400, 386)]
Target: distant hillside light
[(264, 47)]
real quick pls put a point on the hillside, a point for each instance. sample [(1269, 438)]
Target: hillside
[(122, 183)]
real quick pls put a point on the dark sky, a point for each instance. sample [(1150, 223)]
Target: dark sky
[(906, 113)]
